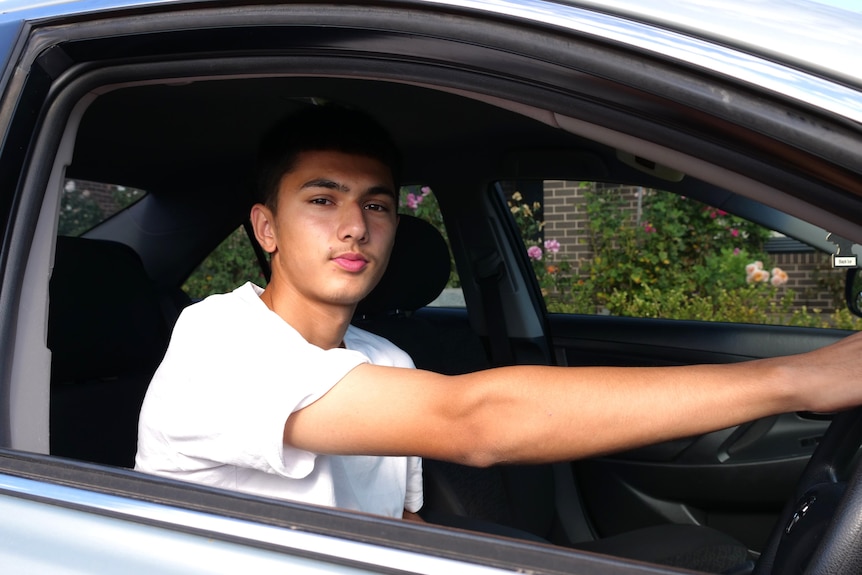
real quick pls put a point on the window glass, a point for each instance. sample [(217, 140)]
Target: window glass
[(85, 204), (420, 201), (230, 265), (600, 248)]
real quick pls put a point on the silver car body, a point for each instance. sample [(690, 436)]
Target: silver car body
[(802, 51)]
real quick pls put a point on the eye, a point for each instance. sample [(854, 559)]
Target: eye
[(379, 203), (321, 201), (377, 207)]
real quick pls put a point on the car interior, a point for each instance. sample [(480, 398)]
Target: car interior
[(105, 345), (185, 132)]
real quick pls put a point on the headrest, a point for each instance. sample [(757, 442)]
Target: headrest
[(104, 312), (417, 273)]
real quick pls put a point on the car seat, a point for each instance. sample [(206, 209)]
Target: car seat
[(107, 334), (522, 501)]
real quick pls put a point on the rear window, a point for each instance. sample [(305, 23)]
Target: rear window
[(86, 204)]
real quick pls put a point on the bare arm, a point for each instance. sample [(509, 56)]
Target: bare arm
[(532, 414)]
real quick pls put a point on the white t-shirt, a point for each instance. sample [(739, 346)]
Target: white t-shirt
[(215, 410)]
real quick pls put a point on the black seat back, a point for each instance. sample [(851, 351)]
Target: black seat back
[(418, 271), (107, 334)]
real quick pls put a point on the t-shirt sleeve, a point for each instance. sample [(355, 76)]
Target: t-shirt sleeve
[(414, 497), (227, 386)]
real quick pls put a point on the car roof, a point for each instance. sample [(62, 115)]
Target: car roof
[(787, 31), (810, 35)]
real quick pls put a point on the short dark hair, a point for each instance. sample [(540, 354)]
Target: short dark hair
[(320, 128)]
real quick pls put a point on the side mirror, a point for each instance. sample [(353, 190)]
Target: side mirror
[(853, 290)]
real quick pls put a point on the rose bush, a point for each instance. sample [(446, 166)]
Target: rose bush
[(676, 259)]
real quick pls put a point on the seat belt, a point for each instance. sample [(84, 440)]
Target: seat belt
[(570, 511), (490, 272)]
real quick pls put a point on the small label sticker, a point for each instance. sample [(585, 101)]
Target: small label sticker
[(843, 256), (843, 261)]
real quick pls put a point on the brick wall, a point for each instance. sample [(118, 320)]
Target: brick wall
[(810, 273), (811, 276)]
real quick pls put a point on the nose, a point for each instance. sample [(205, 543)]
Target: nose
[(353, 225)]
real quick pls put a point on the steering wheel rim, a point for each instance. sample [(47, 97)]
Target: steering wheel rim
[(820, 529)]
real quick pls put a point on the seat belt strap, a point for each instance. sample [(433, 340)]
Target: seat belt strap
[(490, 272)]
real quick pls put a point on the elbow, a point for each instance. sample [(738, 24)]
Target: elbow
[(470, 453), (481, 459), (476, 442), (474, 435)]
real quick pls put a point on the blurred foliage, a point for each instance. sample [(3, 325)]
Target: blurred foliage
[(86, 204), (230, 265), (675, 259)]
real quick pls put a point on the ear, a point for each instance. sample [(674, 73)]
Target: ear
[(263, 224)]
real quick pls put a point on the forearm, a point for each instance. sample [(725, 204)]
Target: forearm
[(529, 414)]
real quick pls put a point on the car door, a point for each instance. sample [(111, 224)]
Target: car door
[(736, 480), (634, 276)]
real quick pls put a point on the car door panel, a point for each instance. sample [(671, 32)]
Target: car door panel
[(735, 479)]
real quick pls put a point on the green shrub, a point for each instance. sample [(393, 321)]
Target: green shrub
[(230, 265), (679, 259)]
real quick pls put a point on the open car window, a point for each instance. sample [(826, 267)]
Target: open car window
[(627, 250)]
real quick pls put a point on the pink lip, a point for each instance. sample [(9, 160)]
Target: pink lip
[(351, 262)]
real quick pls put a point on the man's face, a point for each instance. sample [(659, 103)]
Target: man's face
[(334, 227)]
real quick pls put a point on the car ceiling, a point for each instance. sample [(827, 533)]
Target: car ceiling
[(181, 137), (183, 131), (191, 145)]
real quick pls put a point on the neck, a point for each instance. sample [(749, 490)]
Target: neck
[(321, 324)]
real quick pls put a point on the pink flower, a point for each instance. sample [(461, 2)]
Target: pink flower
[(759, 276), (425, 191), (752, 267), (779, 277), (734, 232), (649, 228), (413, 201), (552, 246), (736, 251), (535, 252)]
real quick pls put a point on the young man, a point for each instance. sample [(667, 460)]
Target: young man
[(273, 392)]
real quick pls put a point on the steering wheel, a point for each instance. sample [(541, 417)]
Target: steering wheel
[(820, 530)]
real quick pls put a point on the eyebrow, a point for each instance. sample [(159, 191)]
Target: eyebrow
[(381, 190)]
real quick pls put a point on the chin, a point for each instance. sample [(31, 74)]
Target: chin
[(348, 297)]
